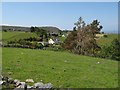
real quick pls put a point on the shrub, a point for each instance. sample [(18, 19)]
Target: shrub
[(39, 46), (105, 36), (111, 52)]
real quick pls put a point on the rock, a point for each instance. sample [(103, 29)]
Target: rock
[(10, 80), (29, 86), (29, 81), (1, 77), (25, 87), (22, 86), (16, 80), (48, 85), (6, 79), (38, 84), (98, 62), (1, 82), (9, 73), (22, 83), (18, 83)]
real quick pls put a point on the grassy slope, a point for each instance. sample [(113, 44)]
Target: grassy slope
[(9, 36), (108, 40), (50, 66)]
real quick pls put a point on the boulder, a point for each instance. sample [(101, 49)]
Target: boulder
[(38, 85), (10, 80), (29, 87), (18, 83), (10, 73), (16, 80), (22, 83), (21, 87), (48, 85), (1, 82), (1, 77), (29, 81)]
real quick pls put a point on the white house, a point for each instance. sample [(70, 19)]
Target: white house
[(63, 35), (99, 35), (50, 41)]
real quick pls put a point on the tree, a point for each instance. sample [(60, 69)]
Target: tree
[(70, 41), (112, 51), (40, 32), (82, 38), (115, 47), (96, 27), (32, 29), (80, 25)]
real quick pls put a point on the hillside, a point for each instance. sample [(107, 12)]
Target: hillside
[(27, 29), (15, 28), (49, 29), (11, 36), (107, 40), (62, 69)]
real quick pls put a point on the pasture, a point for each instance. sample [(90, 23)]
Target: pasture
[(107, 40), (62, 69), (16, 35)]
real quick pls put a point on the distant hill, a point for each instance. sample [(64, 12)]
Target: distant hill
[(15, 28), (52, 30), (49, 29)]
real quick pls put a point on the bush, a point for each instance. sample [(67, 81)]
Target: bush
[(25, 43), (105, 52), (110, 52), (105, 36), (39, 46), (18, 45)]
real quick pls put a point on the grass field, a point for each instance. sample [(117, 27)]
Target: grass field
[(62, 69), (11, 36), (107, 40)]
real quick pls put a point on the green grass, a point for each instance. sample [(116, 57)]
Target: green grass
[(11, 36), (62, 38), (50, 66), (107, 41)]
